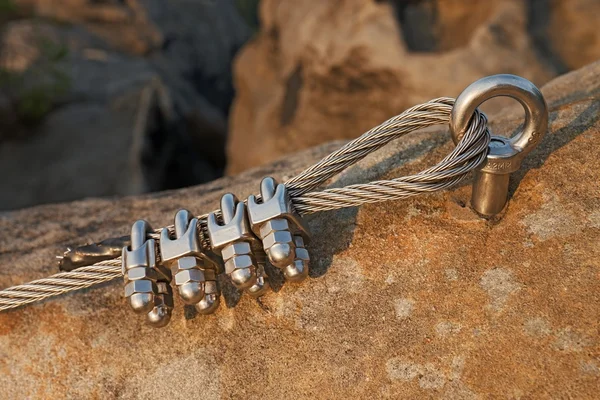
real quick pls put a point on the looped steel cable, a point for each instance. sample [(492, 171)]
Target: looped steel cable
[(470, 152), (433, 112)]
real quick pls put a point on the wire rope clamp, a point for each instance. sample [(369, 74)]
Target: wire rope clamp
[(146, 283), (195, 270), (233, 239), (490, 186), (281, 229)]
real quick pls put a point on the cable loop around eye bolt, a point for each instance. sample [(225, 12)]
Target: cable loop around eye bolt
[(467, 156), (490, 186)]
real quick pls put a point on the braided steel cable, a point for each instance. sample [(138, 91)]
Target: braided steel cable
[(434, 112), (470, 152), (60, 283)]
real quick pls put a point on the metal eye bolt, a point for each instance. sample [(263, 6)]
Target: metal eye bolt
[(490, 187)]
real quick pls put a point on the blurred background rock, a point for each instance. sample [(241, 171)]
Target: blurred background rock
[(114, 97)]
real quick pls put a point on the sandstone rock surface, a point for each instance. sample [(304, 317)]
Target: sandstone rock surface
[(321, 70), (412, 299)]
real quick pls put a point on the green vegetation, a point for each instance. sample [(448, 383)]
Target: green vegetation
[(7, 8), (35, 102), (34, 92)]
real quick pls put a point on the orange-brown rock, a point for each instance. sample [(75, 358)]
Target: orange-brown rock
[(124, 24), (572, 31), (408, 299), (320, 71)]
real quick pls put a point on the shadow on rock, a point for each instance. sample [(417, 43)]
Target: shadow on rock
[(332, 233)]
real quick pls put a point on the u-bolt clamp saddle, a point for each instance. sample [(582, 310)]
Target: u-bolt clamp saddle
[(234, 240), (490, 187), (146, 283), (195, 270), (281, 229)]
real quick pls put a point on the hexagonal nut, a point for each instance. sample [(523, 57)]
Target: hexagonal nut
[(299, 241), (278, 224), (302, 254), (277, 237), (235, 249), (140, 286), (189, 262), (211, 287), (139, 273), (189, 275), (238, 262)]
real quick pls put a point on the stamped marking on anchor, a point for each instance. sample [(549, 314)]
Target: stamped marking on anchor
[(499, 166)]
